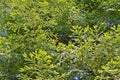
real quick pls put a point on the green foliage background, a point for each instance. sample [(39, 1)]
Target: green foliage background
[(59, 39)]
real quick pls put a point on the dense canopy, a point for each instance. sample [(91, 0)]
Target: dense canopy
[(59, 39)]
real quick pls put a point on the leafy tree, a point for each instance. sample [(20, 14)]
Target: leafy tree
[(77, 37)]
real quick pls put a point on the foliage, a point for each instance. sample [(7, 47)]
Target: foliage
[(38, 66), (59, 39), (111, 70)]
